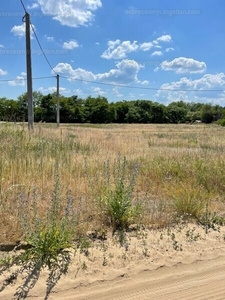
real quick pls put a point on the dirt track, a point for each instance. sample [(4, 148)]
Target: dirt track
[(203, 280)]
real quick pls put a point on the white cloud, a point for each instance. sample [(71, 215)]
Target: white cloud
[(2, 72), (23, 74), (146, 46), (1, 46), (203, 85), (52, 89), (19, 81), (126, 72), (49, 38), (157, 53), (164, 38), (98, 91), (19, 30), (97, 44), (33, 6), (72, 44), (117, 92), (78, 92), (182, 65), (72, 13), (119, 50), (145, 82), (81, 74), (169, 49)]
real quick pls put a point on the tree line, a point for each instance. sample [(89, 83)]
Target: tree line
[(98, 110)]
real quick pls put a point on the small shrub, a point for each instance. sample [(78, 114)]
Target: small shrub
[(48, 240), (117, 202), (114, 193)]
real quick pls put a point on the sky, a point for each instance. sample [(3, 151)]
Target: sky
[(163, 51)]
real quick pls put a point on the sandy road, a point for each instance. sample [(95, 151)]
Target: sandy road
[(202, 280)]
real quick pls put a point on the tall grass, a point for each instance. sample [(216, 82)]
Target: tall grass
[(177, 163)]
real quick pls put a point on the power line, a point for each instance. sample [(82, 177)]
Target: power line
[(21, 79), (141, 87), (21, 1), (42, 48), (114, 85), (32, 27)]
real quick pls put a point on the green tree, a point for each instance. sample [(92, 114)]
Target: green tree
[(97, 110), (207, 114), (176, 112), (121, 109)]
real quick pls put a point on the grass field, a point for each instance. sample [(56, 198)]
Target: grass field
[(165, 172)]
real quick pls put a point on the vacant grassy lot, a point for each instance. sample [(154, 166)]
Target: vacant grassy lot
[(179, 172)]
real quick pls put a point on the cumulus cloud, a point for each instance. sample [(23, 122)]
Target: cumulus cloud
[(183, 65), (33, 6), (157, 53), (72, 44), (145, 82), (116, 91), (98, 91), (49, 38), (78, 92), (67, 70), (169, 49), (2, 72), (52, 89), (146, 46), (205, 89), (72, 13), (19, 81), (164, 38), (19, 30), (126, 72), (119, 50)]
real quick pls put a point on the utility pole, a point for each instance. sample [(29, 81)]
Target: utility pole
[(58, 106), (29, 74)]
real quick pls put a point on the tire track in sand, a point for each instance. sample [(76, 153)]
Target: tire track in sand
[(200, 281)]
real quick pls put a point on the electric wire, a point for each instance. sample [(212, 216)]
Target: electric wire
[(141, 87), (42, 48), (21, 79), (21, 1), (36, 37)]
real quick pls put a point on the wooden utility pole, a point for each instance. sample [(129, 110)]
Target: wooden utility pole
[(58, 104), (29, 74)]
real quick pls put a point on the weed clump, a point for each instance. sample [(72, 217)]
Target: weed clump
[(116, 202), (49, 241)]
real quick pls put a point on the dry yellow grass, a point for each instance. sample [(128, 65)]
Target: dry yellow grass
[(173, 160)]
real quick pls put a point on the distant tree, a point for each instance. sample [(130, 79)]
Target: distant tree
[(207, 113), (158, 113), (22, 101), (121, 109), (47, 108), (8, 110), (97, 110), (133, 114)]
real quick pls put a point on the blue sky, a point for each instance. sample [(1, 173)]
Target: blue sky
[(156, 49)]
